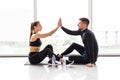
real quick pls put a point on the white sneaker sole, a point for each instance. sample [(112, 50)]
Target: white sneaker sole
[(70, 63)]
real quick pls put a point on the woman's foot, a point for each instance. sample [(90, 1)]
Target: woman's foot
[(50, 62), (59, 55)]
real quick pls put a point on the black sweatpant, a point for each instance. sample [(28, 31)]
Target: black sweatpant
[(37, 57), (83, 59)]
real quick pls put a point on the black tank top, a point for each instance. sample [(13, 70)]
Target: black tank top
[(36, 43)]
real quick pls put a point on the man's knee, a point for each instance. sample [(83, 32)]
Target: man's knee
[(73, 44)]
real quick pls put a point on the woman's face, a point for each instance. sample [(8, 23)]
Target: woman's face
[(39, 27)]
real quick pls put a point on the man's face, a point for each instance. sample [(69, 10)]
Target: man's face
[(80, 25)]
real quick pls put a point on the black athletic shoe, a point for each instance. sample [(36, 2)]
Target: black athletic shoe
[(50, 62), (68, 62)]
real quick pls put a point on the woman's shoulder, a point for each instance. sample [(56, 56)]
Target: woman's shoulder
[(33, 37)]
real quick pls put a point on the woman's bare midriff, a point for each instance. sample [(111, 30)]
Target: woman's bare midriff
[(34, 49)]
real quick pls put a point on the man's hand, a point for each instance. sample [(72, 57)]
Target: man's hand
[(59, 23), (90, 65)]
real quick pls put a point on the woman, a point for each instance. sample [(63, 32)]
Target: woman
[(35, 55)]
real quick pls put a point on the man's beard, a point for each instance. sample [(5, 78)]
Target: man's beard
[(80, 29)]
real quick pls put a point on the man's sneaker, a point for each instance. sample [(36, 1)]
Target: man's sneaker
[(68, 62)]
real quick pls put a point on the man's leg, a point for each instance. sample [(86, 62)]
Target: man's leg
[(73, 46), (76, 59)]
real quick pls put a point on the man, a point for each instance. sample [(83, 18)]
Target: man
[(89, 51)]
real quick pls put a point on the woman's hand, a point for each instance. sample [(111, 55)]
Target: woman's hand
[(59, 23)]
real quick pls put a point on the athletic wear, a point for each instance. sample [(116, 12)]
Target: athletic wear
[(36, 43), (89, 41), (37, 57)]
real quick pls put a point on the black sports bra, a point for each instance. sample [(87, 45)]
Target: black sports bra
[(36, 43)]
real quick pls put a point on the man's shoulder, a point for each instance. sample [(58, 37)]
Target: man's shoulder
[(89, 32)]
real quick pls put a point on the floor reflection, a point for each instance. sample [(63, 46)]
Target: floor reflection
[(73, 72)]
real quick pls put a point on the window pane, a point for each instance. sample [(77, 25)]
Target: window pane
[(106, 25), (15, 19), (48, 13)]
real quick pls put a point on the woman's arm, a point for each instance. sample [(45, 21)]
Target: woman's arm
[(38, 35)]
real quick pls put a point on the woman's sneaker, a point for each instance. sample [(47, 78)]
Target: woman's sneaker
[(50, 63)]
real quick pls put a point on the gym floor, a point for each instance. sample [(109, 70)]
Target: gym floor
[(13, 68)]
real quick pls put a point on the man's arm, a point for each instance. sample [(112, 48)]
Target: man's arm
[(77, 32)]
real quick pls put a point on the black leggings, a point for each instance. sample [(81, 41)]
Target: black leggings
[(37, 57), (79, 49)]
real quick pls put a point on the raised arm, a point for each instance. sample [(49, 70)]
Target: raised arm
[(38, 35), (71, 32)]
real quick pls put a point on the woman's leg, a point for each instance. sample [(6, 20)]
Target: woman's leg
[(36, 58), (51, 48)]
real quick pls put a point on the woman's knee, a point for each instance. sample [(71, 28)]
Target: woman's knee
[(49, 46), (48, 50)]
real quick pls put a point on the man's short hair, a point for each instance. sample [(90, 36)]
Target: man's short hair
[(85, 20)]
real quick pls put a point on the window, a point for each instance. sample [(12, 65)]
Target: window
[(48, 13), (106, 25), (15, 19)]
